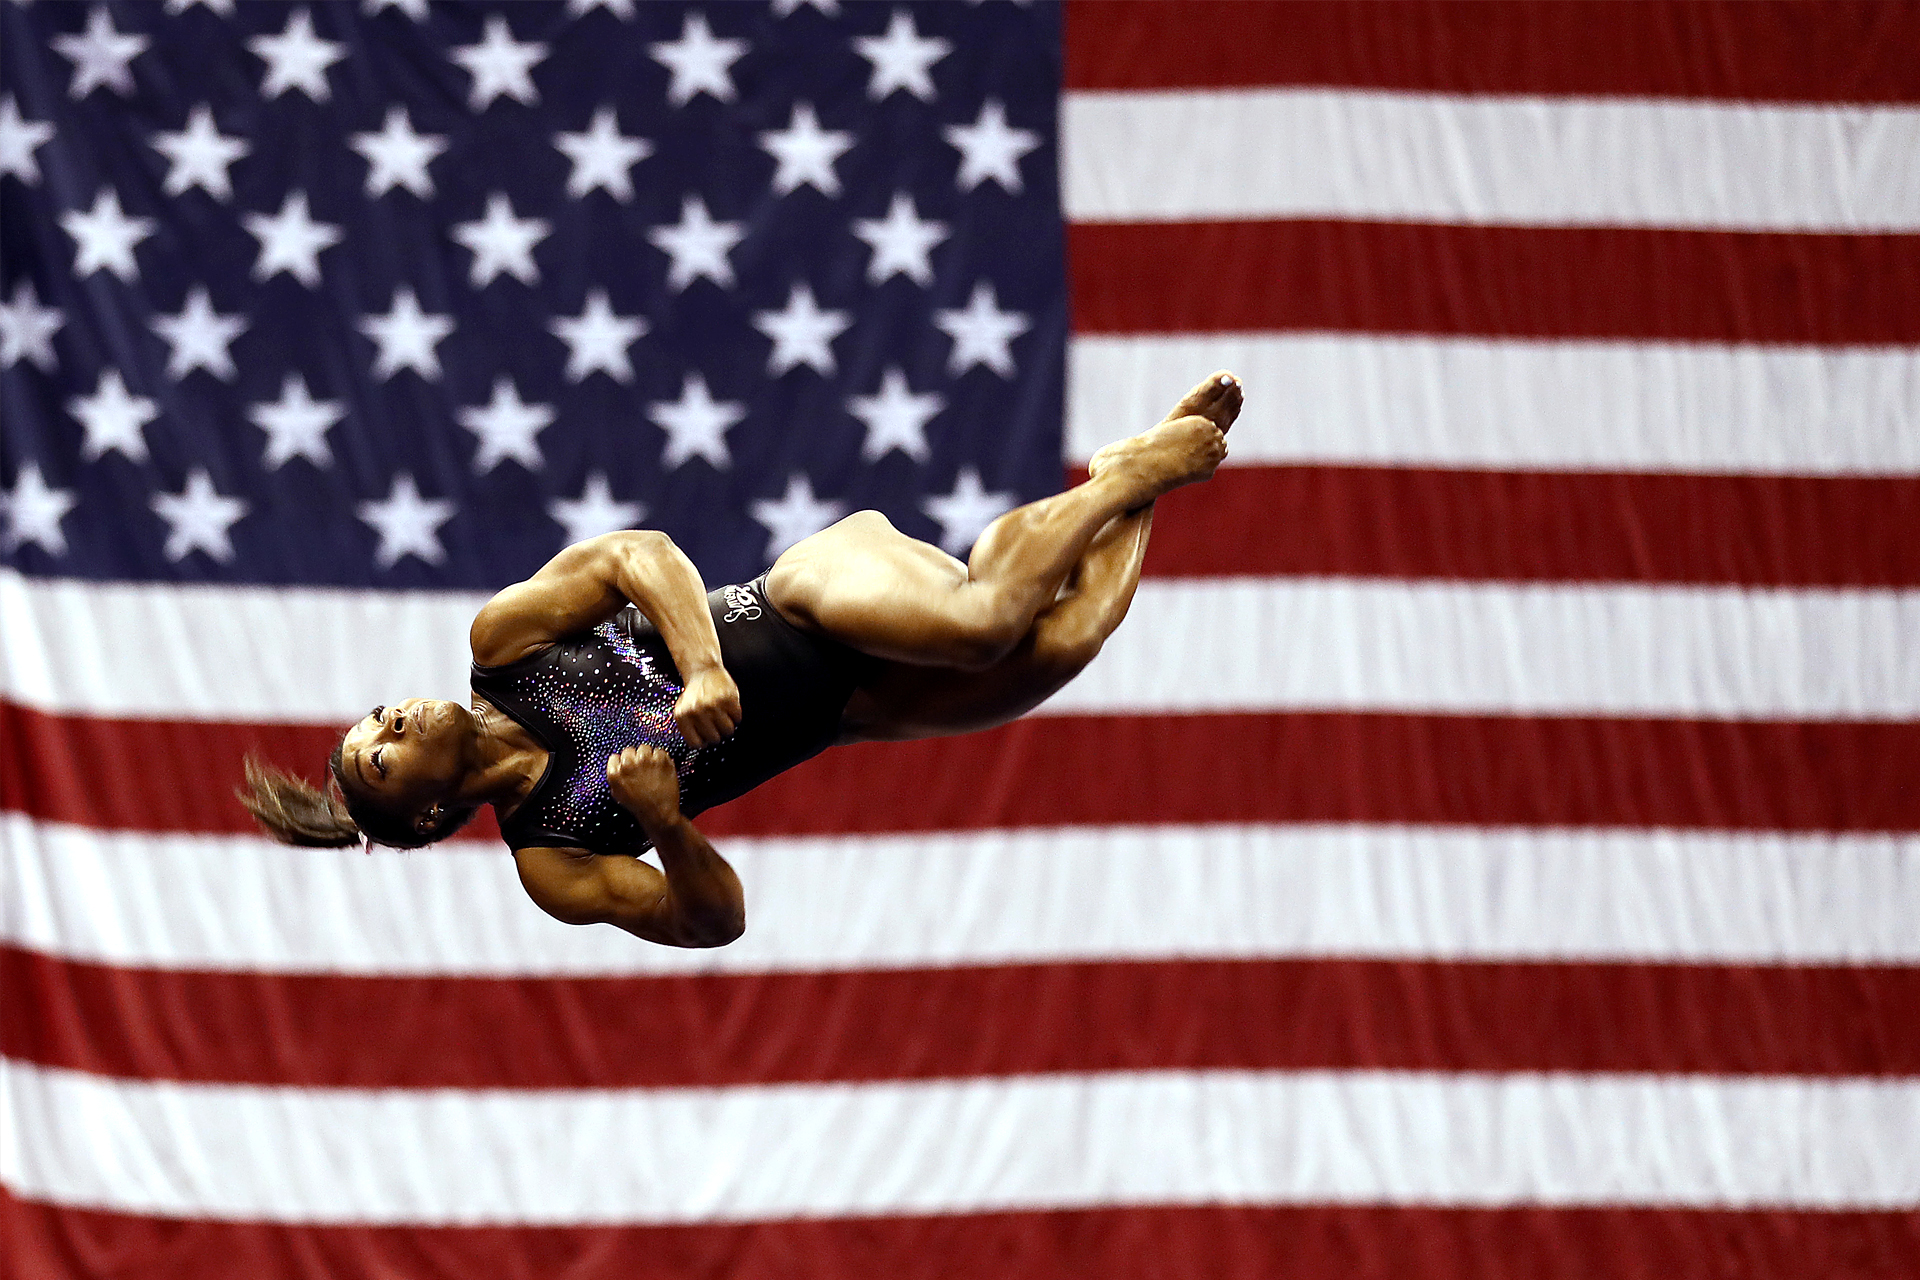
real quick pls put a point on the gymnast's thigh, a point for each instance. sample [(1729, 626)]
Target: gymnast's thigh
[(871, 587), (903, 702)]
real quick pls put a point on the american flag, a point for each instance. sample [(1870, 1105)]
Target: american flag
[(1486, 850)]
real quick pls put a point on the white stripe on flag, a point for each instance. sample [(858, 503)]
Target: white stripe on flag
[(1290, 644), (1469, 402), (1196, 155), (434, 1157), (292, 655), (1129, 893), (1241, 644)]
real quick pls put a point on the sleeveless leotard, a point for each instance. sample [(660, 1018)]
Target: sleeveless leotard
[(592, 694)]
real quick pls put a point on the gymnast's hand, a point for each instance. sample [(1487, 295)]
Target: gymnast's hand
[(709, 708), (644, 783)]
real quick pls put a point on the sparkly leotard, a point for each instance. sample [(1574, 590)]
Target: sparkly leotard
[(592, 694)]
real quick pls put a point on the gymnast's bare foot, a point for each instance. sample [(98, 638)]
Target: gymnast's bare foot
[(1217, 399), (1179, 451)]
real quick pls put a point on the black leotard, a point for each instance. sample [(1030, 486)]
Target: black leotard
[(592, 694)]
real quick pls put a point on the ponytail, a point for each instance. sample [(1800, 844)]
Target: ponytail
[(294, 811)]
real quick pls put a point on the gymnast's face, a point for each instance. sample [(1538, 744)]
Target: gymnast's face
[(408, 754)]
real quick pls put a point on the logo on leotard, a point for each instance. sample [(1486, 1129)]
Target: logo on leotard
[(740, 604)]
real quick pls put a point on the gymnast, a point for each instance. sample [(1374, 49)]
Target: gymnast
[(615, 698)]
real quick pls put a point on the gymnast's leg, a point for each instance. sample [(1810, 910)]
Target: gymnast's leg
[(873, 588), (924, 702)]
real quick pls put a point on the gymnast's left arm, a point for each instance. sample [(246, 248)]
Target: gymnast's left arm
[(589, 582)]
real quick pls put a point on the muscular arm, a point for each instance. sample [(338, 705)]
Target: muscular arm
[(588, 583), (697, 902)]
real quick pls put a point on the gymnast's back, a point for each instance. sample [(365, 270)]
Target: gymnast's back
[(596, 692)]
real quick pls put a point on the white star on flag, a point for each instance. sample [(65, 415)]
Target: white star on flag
[(500, 65), (397, 156), (901, 242), (506, 426), (601, 157), (198, 156), (595, 511), (407, 337), (989, 149), (502, 243), (698, 62), (34, 512), (105, 237), (198, 518), (696, 424), (297, 59), (801, 333), (290, 241), (27, 329), (199, 338), (698, 246), (896, 417), (805, 153), (113, 418), (222, 7), (18, 140), (100, 55), (415, 9), (964, 514), (407, 524), (982, 333), (296, 424), (621, 9), (902, 58), (782, 8), (797, 514), (597, 339)]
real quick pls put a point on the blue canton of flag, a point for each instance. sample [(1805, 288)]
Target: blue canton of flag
[(399, 295)]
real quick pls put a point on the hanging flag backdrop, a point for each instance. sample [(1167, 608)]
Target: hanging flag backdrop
[(1487, 850)]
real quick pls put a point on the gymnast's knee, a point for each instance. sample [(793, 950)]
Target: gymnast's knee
[(983, 634), (1063, 652), (1054, 648)]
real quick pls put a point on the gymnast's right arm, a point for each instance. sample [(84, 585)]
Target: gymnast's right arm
[(698, 902)]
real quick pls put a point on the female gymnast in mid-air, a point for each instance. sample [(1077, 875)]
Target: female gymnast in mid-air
[(615, 698)]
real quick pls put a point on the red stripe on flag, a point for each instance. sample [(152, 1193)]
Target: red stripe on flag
[(696, 1031), (1541, 526), (1053, 771), (151, 775), (1219, 1242), (1540, 282), (1813, 51), (1335, 767)]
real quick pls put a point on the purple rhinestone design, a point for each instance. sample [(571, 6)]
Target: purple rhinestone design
[(605, 697)]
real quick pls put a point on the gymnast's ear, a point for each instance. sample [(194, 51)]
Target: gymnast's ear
[(432, 824)]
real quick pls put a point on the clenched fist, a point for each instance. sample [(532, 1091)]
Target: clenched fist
[(643, 783), (708, 709)]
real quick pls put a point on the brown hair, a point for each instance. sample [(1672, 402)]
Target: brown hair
[(294, 811)]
